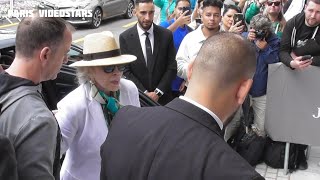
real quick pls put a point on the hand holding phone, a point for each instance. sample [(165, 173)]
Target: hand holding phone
[(306, 57), (184, 9), (238, 17)]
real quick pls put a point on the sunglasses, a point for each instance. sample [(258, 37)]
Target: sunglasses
[(110, 69), (277, 3)]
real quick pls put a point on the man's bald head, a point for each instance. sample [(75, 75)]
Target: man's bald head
[(224, 59)]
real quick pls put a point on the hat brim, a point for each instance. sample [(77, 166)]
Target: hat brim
[(123, 59)]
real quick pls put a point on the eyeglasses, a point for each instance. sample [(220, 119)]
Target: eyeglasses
[(276, 3), (110, 69)]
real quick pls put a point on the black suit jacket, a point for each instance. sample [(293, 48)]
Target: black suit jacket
[(178, 141), (162, 70)]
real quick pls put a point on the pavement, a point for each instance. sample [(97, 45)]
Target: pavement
[(312, 173)]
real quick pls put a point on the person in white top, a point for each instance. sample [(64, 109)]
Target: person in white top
[(192, 42), (295, 8), (85, 114)]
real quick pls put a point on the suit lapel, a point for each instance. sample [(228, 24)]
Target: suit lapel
[(196, 114), (135, 41), (155, 47)]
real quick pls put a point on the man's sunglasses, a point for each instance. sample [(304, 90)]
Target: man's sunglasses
[(110, 69), (277, 3)]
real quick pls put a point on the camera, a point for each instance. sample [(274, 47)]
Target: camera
[(260, 34), (184, 9)]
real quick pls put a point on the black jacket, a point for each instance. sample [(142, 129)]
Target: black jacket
[(178, 141), (163, 70), (312, 47)]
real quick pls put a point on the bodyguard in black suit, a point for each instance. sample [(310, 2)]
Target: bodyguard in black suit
[(155, 67), (183, 140)]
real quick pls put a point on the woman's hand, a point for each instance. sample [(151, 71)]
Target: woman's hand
[(237, 28)]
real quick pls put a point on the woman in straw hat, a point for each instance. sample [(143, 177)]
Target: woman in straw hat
[(86, 113)]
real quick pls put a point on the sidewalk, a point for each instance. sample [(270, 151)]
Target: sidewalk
[(312, 173)]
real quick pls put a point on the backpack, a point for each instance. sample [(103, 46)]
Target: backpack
[(246, 142), (249, 145), (275, 153)]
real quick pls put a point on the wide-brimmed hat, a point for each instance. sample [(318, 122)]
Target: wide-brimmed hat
[(101, 49)]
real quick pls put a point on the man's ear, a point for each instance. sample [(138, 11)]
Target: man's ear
[(243, 90), (189, 72), (305, 8), (45, 54)]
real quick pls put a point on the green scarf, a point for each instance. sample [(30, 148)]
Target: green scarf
[(110, 104)]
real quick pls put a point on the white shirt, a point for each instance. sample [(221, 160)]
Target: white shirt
[(295, 8), (143, 37), (188, 50), (205, 109)]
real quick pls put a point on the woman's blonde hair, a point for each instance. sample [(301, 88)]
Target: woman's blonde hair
[(280, 17), (83, 75)]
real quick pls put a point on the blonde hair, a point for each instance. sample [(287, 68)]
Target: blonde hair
[(83, 75)]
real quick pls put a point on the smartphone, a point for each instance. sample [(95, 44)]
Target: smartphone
[(238, 17), (198, 21), (184, 9), (306, 57)]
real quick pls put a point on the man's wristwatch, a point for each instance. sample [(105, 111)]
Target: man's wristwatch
[(158, 93)]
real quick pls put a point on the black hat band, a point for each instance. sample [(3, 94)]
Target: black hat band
[(102, 55)]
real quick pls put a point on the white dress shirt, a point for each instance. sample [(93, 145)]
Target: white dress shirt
[(205, 109), (143, 37), (188, 50)]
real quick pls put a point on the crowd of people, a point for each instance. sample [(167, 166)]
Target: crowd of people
[(203, 60)]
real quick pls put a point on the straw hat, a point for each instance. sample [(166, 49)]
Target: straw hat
[(101, 49)]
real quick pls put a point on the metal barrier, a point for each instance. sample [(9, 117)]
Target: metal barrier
[(293, 106)]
